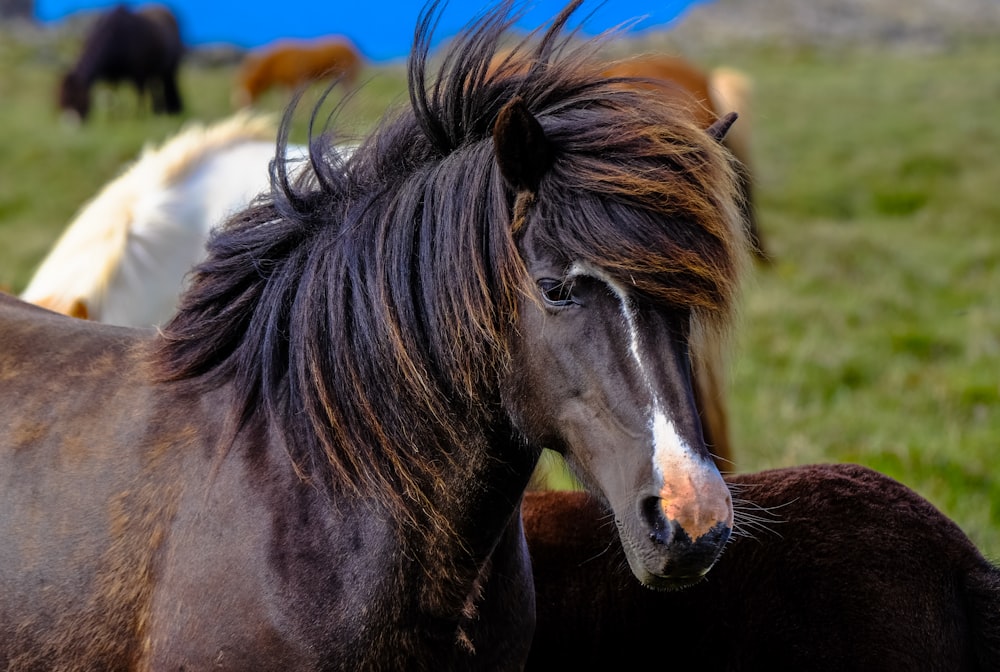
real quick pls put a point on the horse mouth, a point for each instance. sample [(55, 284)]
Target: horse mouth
[(678, 563), (667, 584)]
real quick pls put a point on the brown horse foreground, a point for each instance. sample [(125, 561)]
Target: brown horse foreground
[(318, 462), (290, 64), (831, 568), (141, 47)]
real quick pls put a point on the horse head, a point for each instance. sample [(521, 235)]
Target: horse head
[(618, 277)]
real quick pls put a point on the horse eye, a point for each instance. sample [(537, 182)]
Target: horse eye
[(557, 292)]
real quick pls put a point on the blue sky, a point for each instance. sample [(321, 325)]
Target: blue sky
[(382, 29)]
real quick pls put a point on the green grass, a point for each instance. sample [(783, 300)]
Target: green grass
[(874, 338)]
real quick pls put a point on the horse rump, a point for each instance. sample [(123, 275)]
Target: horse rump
[(832, 567)]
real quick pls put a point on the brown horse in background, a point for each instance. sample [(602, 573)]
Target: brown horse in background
[(293, 63), (830, 568), (143, 47)]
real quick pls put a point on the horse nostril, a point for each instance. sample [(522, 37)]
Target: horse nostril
[(661, 531)]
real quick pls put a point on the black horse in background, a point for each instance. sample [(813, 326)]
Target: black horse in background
[(143, 47)]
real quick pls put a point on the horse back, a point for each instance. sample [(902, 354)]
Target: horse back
[(128, 45), (291, 64), (845, 569), (684, 82)]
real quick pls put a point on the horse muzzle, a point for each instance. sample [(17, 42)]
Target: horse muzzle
[(677, 539)]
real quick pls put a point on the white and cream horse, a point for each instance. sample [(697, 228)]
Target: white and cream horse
[(124, 258)]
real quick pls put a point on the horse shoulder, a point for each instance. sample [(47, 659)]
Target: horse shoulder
[(270, 574)]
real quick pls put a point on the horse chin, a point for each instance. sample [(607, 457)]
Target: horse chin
[(673, 586), (678, 564), (665, 584)]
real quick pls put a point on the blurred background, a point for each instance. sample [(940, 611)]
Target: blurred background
[(872, 336)]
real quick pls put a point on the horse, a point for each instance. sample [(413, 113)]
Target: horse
[(293, 63), (707, 94), (318, 461), (143, 47), (124, 257), (831, 567)]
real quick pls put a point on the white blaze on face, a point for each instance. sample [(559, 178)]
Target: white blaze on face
[(681, 471), (670, 452)]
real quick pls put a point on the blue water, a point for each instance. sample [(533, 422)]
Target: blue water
[(383, 30)]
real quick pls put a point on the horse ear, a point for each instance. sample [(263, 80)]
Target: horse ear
[(523, 152), (721, 126)]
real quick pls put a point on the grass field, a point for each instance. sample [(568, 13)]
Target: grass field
[(874, 337)]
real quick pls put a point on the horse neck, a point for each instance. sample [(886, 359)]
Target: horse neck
[(484, 492), (98, 49), (500, 476)]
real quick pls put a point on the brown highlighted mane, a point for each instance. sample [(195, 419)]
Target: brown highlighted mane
[(367, 314)]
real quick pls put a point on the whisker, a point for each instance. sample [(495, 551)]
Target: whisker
[(751, 519)]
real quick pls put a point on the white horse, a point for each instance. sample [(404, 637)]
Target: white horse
[(124, 258)]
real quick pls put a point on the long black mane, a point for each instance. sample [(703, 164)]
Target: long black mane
[(366, 313)]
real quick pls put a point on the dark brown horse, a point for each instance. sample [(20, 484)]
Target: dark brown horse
[(831, 568), (143, 47), (318, 462)]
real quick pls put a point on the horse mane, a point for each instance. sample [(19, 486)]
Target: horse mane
[(366, 314), (85, 256)]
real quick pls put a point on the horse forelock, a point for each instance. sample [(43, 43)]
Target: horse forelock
[(638, 189), (369, 312)]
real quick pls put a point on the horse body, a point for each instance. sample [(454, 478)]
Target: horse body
[(152, 549), (320, 458), (292, 63), (838, 568), (142, 47)]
